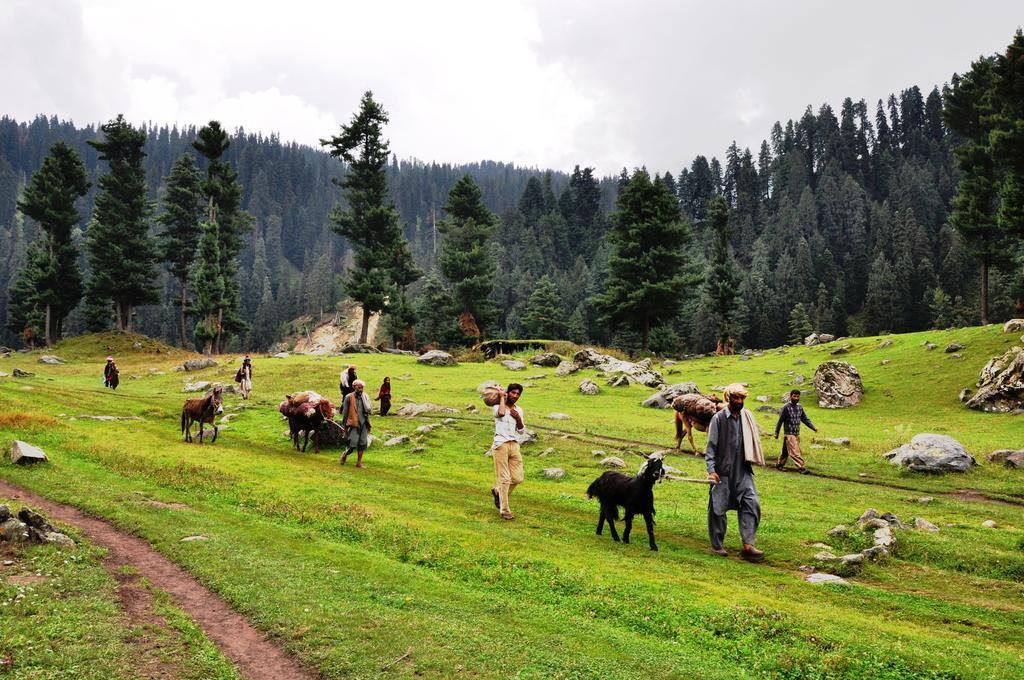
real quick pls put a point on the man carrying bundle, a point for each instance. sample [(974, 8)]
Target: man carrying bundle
[(346, 382), (508, 462), (733, 448), (355, 418)]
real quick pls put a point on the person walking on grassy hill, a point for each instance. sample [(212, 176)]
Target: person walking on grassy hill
[(791, 416), (384, 396), (244, 377), (355, 417), (508, 462), (734, 446), (111, 374), (347, 381)]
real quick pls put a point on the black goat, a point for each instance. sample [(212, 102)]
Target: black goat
[(634, 494)]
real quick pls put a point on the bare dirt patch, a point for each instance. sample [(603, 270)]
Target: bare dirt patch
[(25, 579), (169, 506), (248, 648)]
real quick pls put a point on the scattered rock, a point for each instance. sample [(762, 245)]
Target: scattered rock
[(1001, 384), (884, 344), (1008, 457), (357, 348), (596, 452), (838, 385), (589, 387), (558, 416), (893, 521), (639, 373), (199, 386), (51, 360), (875, 552), (14, 531), (553, 473), (395, 441), (472, 409), (514, 365), (929, 346), (885, 538), (547, 360), (825, 337), (800, 361), (665, 397), (566, 368), (24, 453), (449, 421), (811, 340), (965, 394), (436, 357), (744, 357), (613, 462), (411, 410), (925, 499), (527, 438), (198, 364), (870, 513), (18, 373), (799, 379), (820, 578), (58, 539), (188, 539), (845, 349), (925, 525), (838, 530), (852, 559), (838, 441), (932, 453), (953, 347), (1013, 326), (768, 409), (872, 524), (825, 556), (763, 399), (546, 452), (989, 524), (823, 546)]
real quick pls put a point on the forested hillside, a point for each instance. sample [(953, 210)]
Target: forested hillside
[(837, 223)]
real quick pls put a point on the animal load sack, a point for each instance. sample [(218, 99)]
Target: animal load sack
[(491, 395), (306, 403), (698, 406)]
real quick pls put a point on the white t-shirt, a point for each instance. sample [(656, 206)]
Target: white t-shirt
[(505, 428)]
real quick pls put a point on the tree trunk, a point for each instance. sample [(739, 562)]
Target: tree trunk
[(366, 326), (184, 299), (984, 293), (128, 317), (117, 314), (647, 331), (49, 334)]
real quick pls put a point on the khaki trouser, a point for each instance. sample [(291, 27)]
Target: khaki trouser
[(508, 472), (791, 449)]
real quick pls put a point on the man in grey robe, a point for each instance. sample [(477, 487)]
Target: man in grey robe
[(733, 448)]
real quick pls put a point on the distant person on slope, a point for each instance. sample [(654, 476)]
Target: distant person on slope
[(355, 418), (347, 381), (244, 377), (734, 446), (111, 374), (791, 416), (384, 396), (508, 462)]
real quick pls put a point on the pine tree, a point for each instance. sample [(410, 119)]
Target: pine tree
[(223, 195), (648, 269), (941, 309), (466, 259), (50, 199), (880, 304), (182, 214), (264, 325), (371, 223), (434, 310), (122, 254), (24, 315), (799, 324), (722, 282), (207, 281), (544, 317)]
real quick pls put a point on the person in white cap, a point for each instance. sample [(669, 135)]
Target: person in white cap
[(347, 381), (110, 374), (355, 418)]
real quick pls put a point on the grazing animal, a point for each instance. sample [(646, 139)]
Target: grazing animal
[(202, 410), (634, 494), (694, 411), (306, 412)]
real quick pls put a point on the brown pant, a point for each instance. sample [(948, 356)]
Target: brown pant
[(508, 472), (791, 449)]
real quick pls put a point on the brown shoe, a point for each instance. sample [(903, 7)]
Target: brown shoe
[(749, 552), (721, 552), (508, 515)]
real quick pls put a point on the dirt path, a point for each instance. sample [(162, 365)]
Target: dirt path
[(250, 650)]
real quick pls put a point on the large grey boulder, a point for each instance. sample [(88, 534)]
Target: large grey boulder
[(811, 340), (566, 368), (619, 372), (665, 397), (51, 360), (436, 357), (1001, 384), (198, 364), (932, 453), (825, 337), (1013, 326), (548, 360), (838, 385), (24, 453)]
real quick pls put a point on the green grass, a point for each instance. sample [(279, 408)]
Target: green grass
[(349, 568)]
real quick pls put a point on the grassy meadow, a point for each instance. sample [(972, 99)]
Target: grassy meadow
[(348, 568)]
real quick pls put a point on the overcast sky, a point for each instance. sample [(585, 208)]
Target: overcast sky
[(546, 83)]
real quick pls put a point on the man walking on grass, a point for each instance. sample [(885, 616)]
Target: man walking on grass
[(355, 418), (508, 462), (791, 416), (734, 446)]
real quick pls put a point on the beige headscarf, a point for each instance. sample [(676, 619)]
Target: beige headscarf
[(737, 389), (751, 435)]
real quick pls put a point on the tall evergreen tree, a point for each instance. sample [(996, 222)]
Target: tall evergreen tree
[(207, 283), (722, 282), (371, 223), (434, 310), (648, 269), (182, 214), (799, 324), (50, 199), (466, 259), (122, 254), (544, 317)]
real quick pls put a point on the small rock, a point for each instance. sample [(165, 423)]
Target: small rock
[(875, 552), (932, 453), (18, 373), (870, 513), (5, 513), (838, 530), (800, 362), (884, 344), (1008, 457), (553, 473), (449, 421), (799, 379), (851, 559), (14, 531), (51, 360), (566, 368), (472, 409), (822, 546), (548, 360), (546, 452), (762, 398), (925, 499), (596, 452), (199, 364), (838, 441), (436, 357), (58, 539), (589, 387), (1013, 326), (873, 523), (965, 394), (513, 365), (199, 386), (953, 347), (395, 441), (989, 524), (424, 429), (194, 538), (885, 538), (558, 416), (825, 556), (862, 474), (929, 346), (820, 578), (885, 362), (24, 453), (925, 525), (893, 520), (744, 357), (613, 462), (845, 349)]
